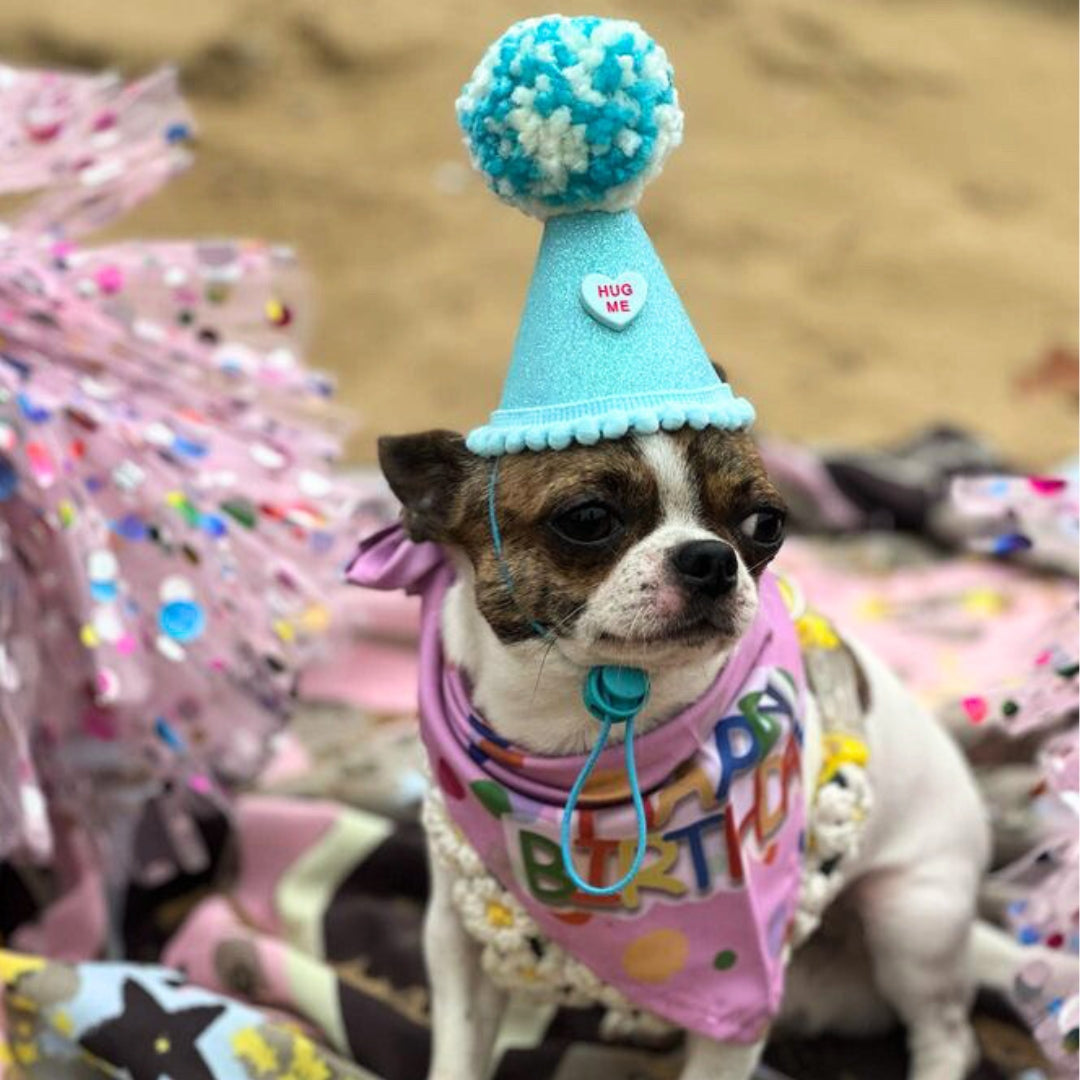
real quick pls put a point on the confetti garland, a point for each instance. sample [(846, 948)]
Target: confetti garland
[(1033, 518), (169, 524), (1037, 516), (1048, 881)]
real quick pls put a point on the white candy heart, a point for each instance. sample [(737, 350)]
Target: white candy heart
[(614, 303)]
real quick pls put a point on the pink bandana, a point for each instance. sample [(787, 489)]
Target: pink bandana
[(698, 935)]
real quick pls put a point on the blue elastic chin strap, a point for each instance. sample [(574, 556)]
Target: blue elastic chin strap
[(613, 695)]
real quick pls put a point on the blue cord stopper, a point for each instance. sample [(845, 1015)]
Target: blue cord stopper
[(614, 695)]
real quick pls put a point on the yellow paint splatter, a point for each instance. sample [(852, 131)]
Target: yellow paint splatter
[(249, 1045), (315, 619), (816, 633), (12, 965), (306, 1063), (26, 1053), (62, 1022), (840, 750), (987, 602)]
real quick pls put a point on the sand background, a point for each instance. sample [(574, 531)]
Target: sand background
[(873, 220)]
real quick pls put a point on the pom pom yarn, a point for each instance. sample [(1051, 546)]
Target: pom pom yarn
[(570, 114)]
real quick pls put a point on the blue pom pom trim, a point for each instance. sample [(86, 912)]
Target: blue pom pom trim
[(512, 431), (571, 113)]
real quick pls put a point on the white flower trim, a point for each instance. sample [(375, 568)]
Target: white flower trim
[(509, 944), (834, 836)]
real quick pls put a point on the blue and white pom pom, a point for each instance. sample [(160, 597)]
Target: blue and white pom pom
[(569, 114)]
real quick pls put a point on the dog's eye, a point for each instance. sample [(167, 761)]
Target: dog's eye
[(764, 527), (587, 523)]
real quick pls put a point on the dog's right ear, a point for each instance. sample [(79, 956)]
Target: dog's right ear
[(426, 471)]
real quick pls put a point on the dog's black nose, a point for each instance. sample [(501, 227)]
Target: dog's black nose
[(709, 567)]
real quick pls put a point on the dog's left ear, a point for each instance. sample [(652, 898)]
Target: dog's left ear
[(425, 471)]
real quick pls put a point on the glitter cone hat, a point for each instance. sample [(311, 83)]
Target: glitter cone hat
[(569, 119)]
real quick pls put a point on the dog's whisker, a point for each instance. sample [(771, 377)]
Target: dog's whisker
[(543, 661), (761, 562), (569, 615), (553, 641)]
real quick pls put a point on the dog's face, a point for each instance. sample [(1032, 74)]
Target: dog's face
[(642, 551)]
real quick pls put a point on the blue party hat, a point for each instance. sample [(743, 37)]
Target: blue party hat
[(569, 118)]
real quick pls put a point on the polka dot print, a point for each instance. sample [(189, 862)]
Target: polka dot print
[(656, 956), (725, 960)]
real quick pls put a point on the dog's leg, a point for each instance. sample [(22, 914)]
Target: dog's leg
[(997, 959), (707, 1059), (466, 1006), (918, 924)]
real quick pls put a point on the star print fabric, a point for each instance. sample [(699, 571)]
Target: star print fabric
[(122, 1020)]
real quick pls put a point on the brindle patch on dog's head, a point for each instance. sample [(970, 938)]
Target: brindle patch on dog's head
[(444, 489), (732, 483)]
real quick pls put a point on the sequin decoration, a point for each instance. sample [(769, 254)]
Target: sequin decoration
[(1036, 518), (278, 313), (132, 491)]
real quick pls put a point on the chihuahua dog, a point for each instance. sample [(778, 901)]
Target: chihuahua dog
[(646, 552)]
